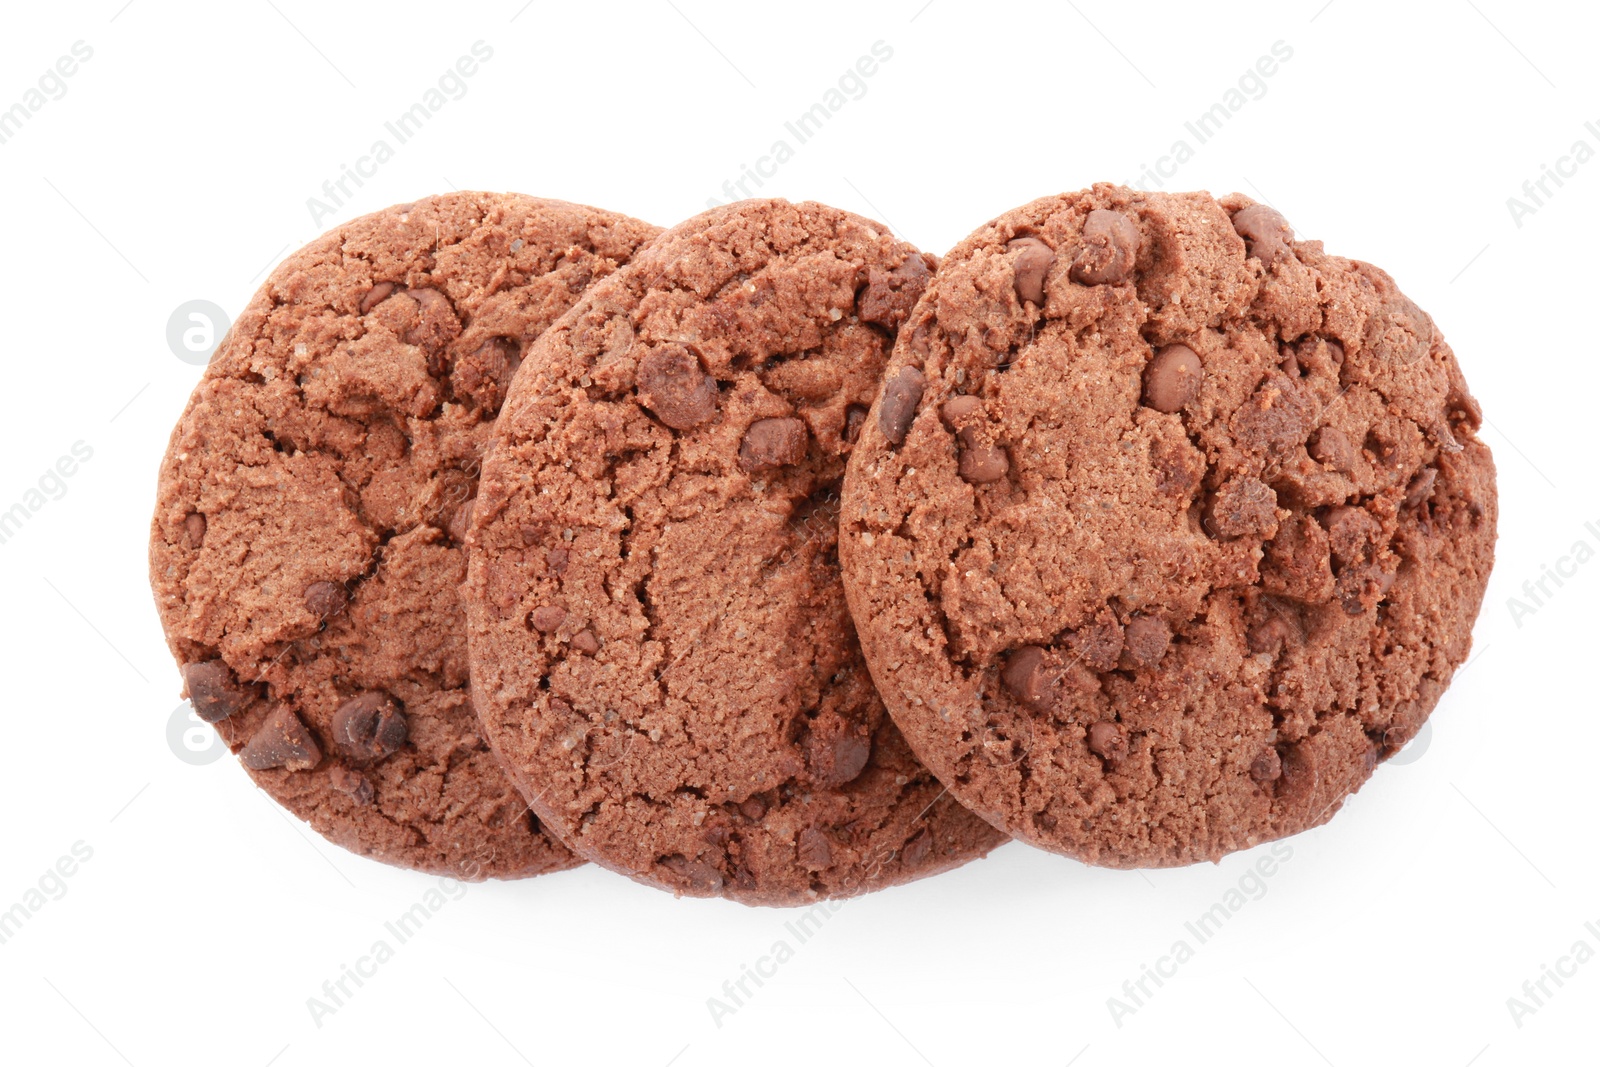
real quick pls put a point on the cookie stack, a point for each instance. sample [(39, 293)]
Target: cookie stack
[(768, 557)]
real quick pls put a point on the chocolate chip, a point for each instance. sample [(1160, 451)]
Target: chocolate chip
[(461, 522), (194, 529), (484, 375), (698, 875), (1299, 779), (901, 395), (1331, 448), (547, 617), (813, 849), (1110, 246), (672, 384), (376, 295), (1267, 766), (1033, 261), (770, 443), (556, 560), (352, 783), (1172, 378), (281, 741), (436, 324), (980, 461), (369, 726), (1420, 488), (959, 410), (1027, 676), (1266, 233), (753, 807), (837, 751), (1108, 741), (915, 851), (214, 692), (855, 416), (1271, 635), (326, 599), (889, 296), (1146, 639), (586, 642)]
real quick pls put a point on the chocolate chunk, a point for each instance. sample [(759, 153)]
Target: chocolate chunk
[(214, 692), (547, 617), (586, 642), (1266, 233), (483, 376), (1110, 246), (1270, 635), (813, 849), (770, 443), (753, 807), (916, 850), (194, 529), (1027, 676), (1267, 766), (855, 416), (352, 783), (901, 395), (1109, 741), (889, 296), (281, 741), (556, 560), (980, 460), (1146, 639), (700, 876), (461, 522), (1033, 261), (836, 751), (326, 599), (672, 384), (1332, 448), (369, 726), (436, 323), (1172, 378), (1299, 779), (376, 295), (1420, 487), (959, 410)]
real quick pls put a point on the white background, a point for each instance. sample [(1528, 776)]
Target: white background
[(177, 166)]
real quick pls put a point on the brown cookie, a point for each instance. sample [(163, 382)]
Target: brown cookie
[(660, 646), (1166, 528), (307, 542)]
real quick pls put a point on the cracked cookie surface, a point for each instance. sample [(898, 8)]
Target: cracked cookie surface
[(660, 646), (1167, 527), (307, 544)]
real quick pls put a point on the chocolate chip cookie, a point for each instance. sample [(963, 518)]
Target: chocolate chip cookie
[(307, 542), (1167, 526), (661, 652)]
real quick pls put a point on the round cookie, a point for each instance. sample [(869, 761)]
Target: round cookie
[(661, 651), (307, 542), (1166, 528)]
